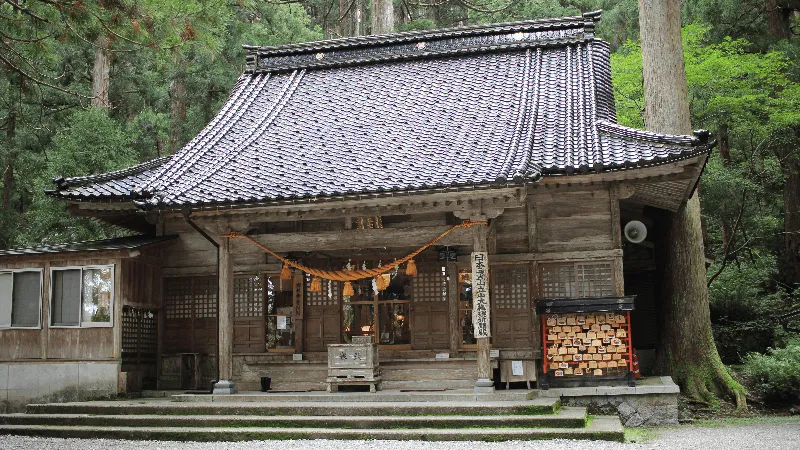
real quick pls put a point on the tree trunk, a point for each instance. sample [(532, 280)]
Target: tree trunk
[(8, 170), (791, 218), (382, 16), (101, 72), (351, 18), (177, 95), (779, 21), (723, 144), (687, 349), (779, 18)]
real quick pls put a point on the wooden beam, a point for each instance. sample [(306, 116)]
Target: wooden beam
[(483, 383), (355, 239), (382, 206), (517, 258), (452, 299), (616, 232), (298, 297), (225, 385), (681, 169), (533, 237), (619, 277)]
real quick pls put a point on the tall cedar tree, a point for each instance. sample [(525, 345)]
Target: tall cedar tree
[(688, 351)]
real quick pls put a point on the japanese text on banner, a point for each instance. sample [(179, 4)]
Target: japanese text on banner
[(480, 294)]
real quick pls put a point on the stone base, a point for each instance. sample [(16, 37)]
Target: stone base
[(334, 383), (653, 402), (223, 387), (484, 386)]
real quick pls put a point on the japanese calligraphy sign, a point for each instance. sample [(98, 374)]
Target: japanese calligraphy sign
[(480, 294)]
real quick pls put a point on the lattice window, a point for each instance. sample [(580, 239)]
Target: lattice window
[(248, 296), (139, 331), (130, 330), (330, 295), (430, 284), (204, 292), (178, 302), (595, 280), (577, 280), (148, 333), (510, 287)]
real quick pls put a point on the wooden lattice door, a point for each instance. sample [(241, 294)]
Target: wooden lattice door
[(190, 315), (429, 322), (322, 311), (140, 344), (248, 312), (511, 307)]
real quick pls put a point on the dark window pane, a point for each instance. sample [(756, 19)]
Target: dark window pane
[(66, 297), (6, 293), (27, 298)]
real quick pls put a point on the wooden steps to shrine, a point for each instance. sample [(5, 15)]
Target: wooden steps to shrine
[(236, 421)]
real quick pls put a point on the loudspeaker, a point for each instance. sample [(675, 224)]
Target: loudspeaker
[(635, 231)]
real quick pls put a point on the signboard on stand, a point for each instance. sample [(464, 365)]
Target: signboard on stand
[(480, 294)]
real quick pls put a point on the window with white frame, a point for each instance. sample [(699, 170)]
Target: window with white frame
[(82, 296), (20, 298)]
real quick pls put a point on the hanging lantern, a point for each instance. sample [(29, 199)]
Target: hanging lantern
[(286, 274), (348, 289), (316, 285), (411, 268)]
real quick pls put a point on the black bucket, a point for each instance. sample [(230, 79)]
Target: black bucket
[(265, 382)]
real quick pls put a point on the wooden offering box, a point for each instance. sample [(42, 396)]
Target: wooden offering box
[(354, 364), (586, 340)]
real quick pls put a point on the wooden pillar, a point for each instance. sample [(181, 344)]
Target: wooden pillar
[(299, 303), (225, 385), (453, 300), (484, 382)]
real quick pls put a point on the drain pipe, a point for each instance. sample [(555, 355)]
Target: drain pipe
[(187, 216)]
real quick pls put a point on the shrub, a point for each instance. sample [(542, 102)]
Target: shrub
[(775, 376)]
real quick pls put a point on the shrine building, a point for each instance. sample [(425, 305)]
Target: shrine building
[(464, 198)]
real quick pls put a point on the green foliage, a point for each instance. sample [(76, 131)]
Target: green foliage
[(743, 300), (92, 143), (775, 376)]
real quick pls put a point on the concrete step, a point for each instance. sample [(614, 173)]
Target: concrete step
[(566, 418), (600, 428), (165, 407), (465, 395)]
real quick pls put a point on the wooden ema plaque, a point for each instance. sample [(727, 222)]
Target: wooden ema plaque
[(587, 345)]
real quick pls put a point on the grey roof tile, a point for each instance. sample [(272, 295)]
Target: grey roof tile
[(123, 243), (470, 106)]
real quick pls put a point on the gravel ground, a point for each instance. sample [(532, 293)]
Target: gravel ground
[(761, 436)]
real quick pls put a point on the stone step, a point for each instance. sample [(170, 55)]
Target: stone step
[(166, 407), (600, 428), (421, 395), (566, 418), (427, 384)]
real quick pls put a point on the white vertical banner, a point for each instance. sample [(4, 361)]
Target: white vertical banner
[(480, 295)]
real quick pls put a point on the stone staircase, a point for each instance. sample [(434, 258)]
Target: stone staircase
[(395, 416)]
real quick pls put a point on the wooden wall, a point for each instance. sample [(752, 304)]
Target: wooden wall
[(555, 222), (141, 283), (100, 343), (573, 220)]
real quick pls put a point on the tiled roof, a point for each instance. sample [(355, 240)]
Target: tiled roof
[(123, 243), (480, 105), (109, 186)]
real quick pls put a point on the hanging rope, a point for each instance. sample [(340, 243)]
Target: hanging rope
[(351, 275)]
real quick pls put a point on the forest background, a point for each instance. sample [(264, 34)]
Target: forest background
[(98, 85)]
